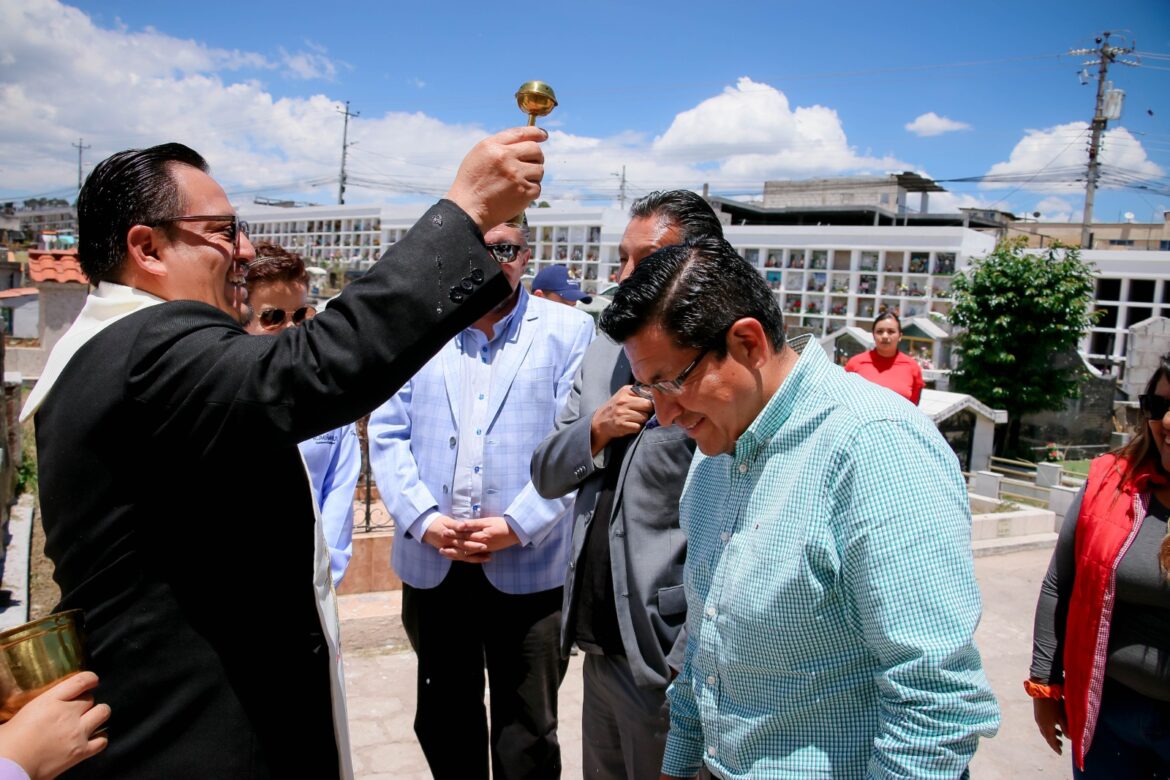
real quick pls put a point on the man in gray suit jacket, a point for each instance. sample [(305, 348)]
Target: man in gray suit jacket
[(624, 603)]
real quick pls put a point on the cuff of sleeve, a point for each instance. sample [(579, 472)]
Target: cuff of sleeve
[(418, 528), (10, 770), (525, 539), (681, 759), (1043, 691)]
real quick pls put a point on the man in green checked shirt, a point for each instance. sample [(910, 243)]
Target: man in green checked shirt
[(830, 587)]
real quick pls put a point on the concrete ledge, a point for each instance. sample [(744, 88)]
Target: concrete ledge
[(14, 611), (1011, 544), (1020, 522)]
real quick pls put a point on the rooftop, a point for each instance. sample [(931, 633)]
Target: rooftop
[(55, 265)]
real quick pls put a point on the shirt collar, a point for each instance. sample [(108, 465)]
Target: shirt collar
[(811, 366), (507, 328), (105, 305)]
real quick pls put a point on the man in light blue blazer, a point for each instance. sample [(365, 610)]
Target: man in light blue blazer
[(481, 555)]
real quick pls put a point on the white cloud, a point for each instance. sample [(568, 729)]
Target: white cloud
[(750, 131), (121, 88), (930, 123), (1054, 159), (1054, 209), (950, 202), (311, 64)]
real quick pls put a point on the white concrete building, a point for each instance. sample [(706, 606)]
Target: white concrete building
[(826, 277)]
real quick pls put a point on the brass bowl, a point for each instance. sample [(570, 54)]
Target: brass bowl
[(535, 98), (36, 656)]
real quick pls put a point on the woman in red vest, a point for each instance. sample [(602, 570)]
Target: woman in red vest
[(885, 365), (1101, 650)]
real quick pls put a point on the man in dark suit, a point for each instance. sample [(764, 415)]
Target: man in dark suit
[(624, 603), (175, 505)]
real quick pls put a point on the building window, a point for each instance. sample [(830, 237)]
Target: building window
[(1108, 289), (1120, 242), (1136, 314), (1141, 290), (1109, 318)]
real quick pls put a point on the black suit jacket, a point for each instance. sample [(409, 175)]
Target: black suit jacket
[(178, 515)]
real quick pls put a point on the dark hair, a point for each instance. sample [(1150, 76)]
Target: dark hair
[(275, 264), (887, 315), (695, 292), (134, 187), (694, 216), (1142, 449)]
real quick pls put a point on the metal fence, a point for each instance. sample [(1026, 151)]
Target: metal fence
[(372, 514)]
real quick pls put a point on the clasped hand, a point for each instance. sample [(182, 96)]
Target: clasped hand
[(623, 414), (471, 541)]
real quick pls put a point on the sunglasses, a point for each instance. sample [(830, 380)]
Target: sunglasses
[(1155, 406), (236, 228), (505, 253), (270, 319)]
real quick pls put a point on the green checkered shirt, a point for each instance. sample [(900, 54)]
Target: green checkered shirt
[(831, 594)]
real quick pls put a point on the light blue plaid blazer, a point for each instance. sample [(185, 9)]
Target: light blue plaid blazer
[(414, 441)]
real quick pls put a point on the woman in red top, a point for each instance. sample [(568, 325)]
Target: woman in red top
[(1099, 672), (885, 365)]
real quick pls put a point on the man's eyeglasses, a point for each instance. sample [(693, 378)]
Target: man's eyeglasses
[(669, 387), (271, 319), (238, 226), (505, 253), (1155, 406)]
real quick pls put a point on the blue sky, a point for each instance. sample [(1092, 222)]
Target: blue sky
[(680, 94)]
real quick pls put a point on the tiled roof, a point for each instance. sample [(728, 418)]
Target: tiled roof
[(55, 265)]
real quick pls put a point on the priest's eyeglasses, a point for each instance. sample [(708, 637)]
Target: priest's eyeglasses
[(236, 228)]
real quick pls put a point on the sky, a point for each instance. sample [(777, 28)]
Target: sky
[(678, 95)]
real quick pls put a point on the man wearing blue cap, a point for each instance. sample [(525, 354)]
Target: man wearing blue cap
[(553, 283)]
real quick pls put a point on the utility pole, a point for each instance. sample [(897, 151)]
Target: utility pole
[(344, 148), (1105, 55), (81, 146), (621, 188)]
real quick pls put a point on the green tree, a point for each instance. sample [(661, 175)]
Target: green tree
[(1020, 311)]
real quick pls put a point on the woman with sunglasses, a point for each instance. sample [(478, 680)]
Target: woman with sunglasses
[(1100, 670), (885, 364), (278, 290)]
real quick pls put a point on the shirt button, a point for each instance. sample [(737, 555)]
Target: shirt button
[(451, 441), (743, 468), (481, 396), (711, 679), (477, 469), (711, 612), (479, 432), (711, 750)]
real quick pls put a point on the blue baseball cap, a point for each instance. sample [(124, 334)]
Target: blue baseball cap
[(555, 279)]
